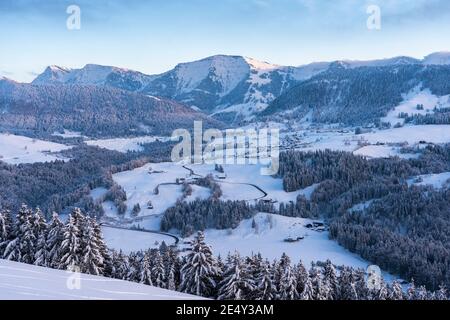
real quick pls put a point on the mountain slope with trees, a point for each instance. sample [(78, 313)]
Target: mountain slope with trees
[(95, 111)]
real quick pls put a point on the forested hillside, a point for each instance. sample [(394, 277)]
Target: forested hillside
[(93, 111), (352, 95)]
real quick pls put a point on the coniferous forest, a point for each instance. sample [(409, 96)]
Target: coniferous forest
[(77, 245)]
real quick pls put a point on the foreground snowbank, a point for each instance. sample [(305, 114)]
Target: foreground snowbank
[(20, 281)]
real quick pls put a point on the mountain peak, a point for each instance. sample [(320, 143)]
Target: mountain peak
[(261, 65), (440, 58), (57, 68), (52, 74)]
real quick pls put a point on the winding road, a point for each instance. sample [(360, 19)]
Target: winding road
[(192, 173), (265, 194)]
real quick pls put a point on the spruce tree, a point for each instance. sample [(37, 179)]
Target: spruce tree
[(199, 270), (321, 291), (120, 266), (145, 272), (158, 271), (42, 256), (103, 249), (23, 247), (288, 284), (302, 276), (397, 291), (308, 291), (266, 288), (6, 230), (330, 280), (71, 249), (134, 267), (442, 293), (237, 283), (54, 241), (91, 256)]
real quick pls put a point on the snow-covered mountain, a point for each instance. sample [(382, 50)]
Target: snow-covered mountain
[(20, 281), (231, 88), (437, 58), (228, 84), (93, 74), (357, 96)]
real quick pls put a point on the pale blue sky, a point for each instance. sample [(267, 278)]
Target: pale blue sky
[(152, 36)]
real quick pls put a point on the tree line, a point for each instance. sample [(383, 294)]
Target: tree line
[(78, 245), (403, 227)]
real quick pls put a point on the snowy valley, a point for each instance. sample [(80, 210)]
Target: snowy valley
[(360, 177)]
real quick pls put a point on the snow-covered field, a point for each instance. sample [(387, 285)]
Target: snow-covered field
[(268, 239), (410, 102), (382, 151), (438, 180), (374, 143), (19, 149), (125, 144), (412, 134), (240, 182), (133, 240), (20, 281)]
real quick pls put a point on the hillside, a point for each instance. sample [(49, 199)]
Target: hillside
[(96, 111), (19, 281), (356, 96)]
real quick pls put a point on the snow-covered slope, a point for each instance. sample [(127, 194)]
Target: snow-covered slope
[(232, 88), (439, 58), (93, 74), (219, 82), (20, 281), (53, 74), (18, 149)]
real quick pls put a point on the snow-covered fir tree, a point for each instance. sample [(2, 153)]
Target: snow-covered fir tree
[(22, 247), (288, 284), (91, 255), (199, 269), (103, 248), (321, 290), (134, 266), (266, 289), (237, 283), (172, 268), (145, 276), (442, 293), (346, 284), (42, 255), (71, 249), (308, 290), (330, 280), (302, 276), (396, 292), (120, 265), (6, 230), (54, 241), (158, 271)]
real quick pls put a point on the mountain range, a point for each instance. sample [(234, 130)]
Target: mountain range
[(231, 88), (109, 101)]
